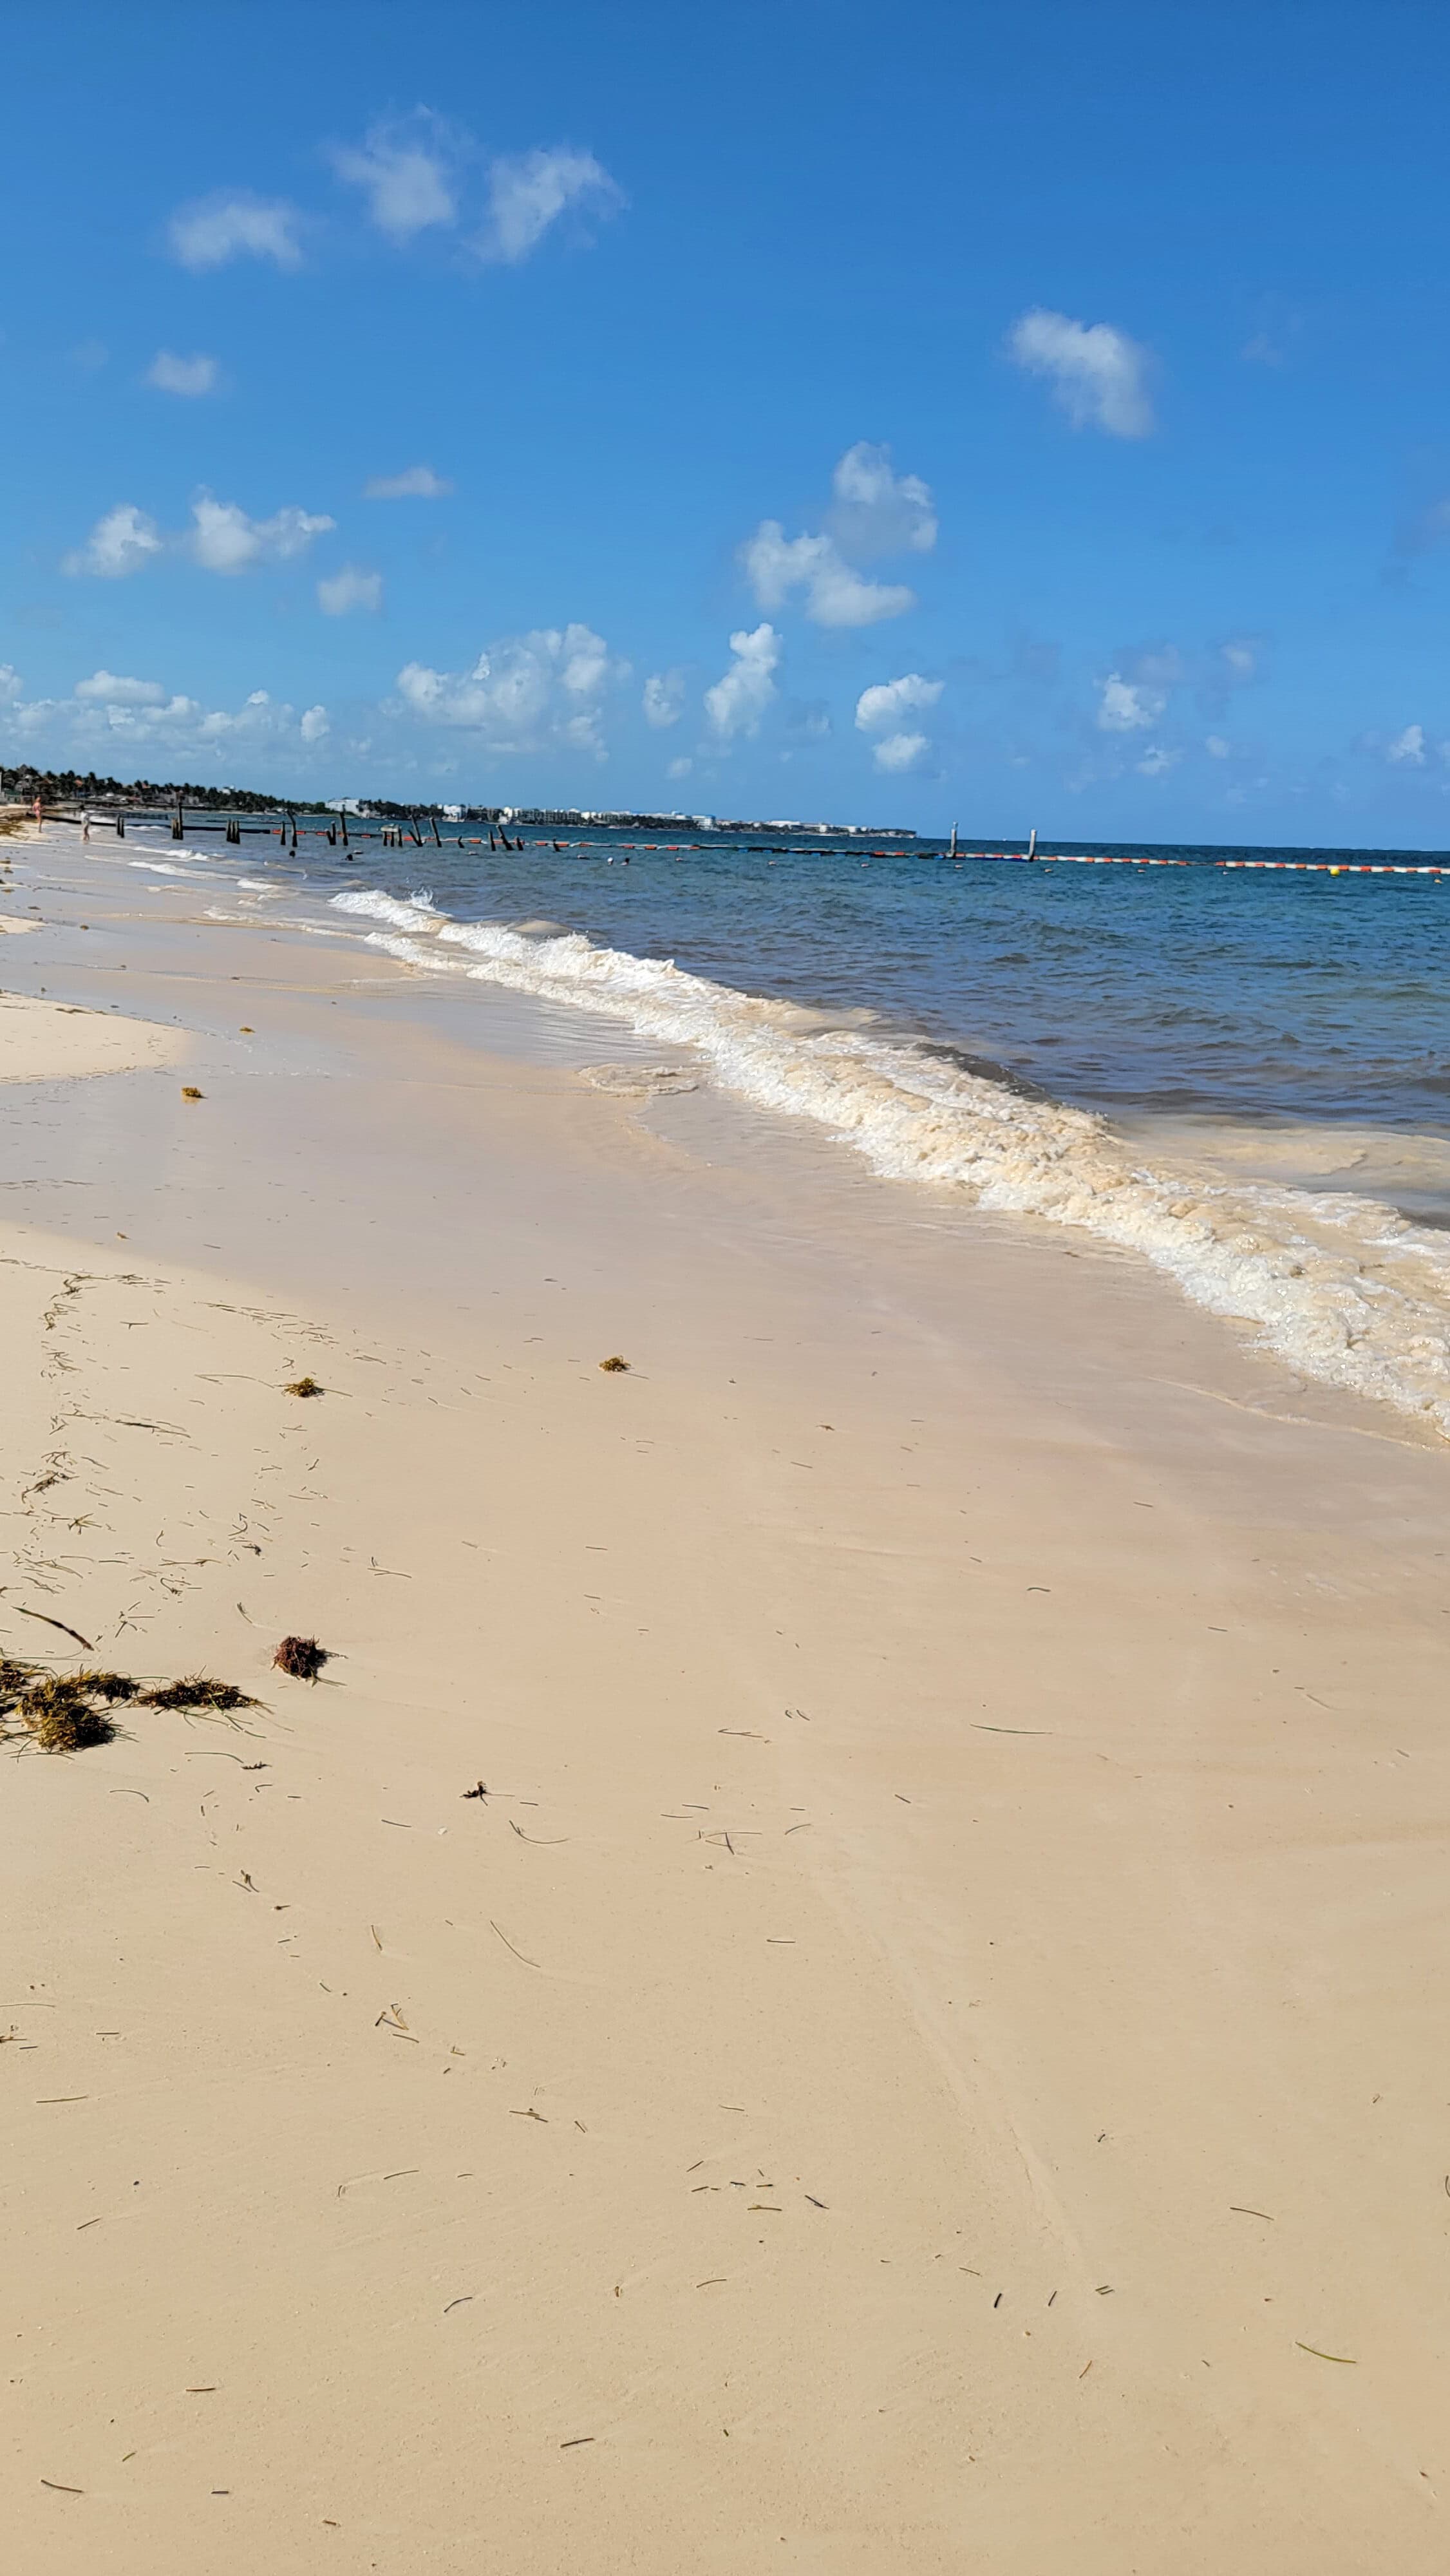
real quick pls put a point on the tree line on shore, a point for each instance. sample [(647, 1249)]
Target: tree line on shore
[(74, 787)]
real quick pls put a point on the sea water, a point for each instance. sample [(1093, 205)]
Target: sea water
[(1240, 1074)]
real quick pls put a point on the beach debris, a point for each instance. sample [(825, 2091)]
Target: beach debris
[(477, 1791), (69, 1712), (197, 1690), (48, 1622), (301, 1657), (1345, 2359), (63, 1718), (615, 1363), (508, 1945), (189, 1092), (304, 1386)]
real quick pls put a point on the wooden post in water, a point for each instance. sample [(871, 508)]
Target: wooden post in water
[(437, 835), (178, 826)]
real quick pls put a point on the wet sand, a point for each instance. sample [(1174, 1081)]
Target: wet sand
[(928, 2052)]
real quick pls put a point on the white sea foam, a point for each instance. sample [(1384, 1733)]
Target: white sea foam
[(1341, 1287)]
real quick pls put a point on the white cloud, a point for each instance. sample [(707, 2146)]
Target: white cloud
[(873, 512), (407, 184), (664, 698), (111, 721), (900, 751), (680, 768), (415, 483), (1241, 659), (178, 711), (889, 700), (1216, 747), (1408, 746), (10, 684), (351, 588), (877, 512), (835, 595), (1098, 375), (528, 191), (240, 226), (223, 538), (119, 543), (1156, 761), (1128, 706), (737, 701), (109, 710), (526, 690), (104, 688), (191, 376)]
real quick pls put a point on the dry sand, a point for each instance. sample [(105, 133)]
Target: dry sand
[(928, 2056)]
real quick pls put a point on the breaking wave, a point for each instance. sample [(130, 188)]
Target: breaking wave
[(1341, 1287)]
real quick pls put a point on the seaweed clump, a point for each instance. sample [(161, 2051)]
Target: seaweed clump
[(64, 1712), (69, 1712), (304, 1386), (302, 1657), (613, 1365), (195, 1690), (63, 1715)]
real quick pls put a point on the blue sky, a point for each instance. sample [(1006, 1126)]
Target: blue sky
[(1024, 413)]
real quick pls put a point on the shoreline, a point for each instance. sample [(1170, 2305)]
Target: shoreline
[(990, 1827)]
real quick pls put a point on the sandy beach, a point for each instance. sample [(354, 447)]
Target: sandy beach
[(859, 1982)]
